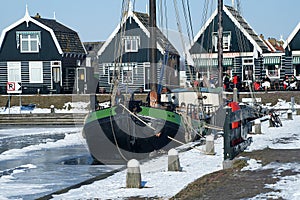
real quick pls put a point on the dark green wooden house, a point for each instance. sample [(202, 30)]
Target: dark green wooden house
[(126, 53), (43, 55), (243, 49)]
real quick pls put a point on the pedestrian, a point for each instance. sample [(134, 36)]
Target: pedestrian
[(266, 82), (286, 83)]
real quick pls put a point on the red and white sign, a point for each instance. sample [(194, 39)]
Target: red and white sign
[(13, 87)]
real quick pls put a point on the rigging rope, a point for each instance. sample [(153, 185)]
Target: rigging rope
[(114, 86)]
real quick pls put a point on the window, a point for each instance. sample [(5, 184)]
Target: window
[(14, 72), (88, 61), (29, 41), (297, 70), (272, 66), (131, 43), (127, 75), (272, 71), (113, 74), (226, 40), (36, 72), (248, 69), (147, 77)]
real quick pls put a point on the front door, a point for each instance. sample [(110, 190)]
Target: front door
[(81, 80), (56, 80)]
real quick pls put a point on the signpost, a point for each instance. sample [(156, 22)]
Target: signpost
[(14, 88)]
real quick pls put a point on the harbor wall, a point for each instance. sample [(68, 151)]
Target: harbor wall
[(59, 100)]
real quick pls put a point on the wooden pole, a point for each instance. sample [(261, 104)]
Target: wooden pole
[(220, 43), (153, 46)]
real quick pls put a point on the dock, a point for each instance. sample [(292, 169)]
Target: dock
[(42, 119)]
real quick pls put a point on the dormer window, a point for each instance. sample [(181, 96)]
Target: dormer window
[(28, 41), (131, 43)]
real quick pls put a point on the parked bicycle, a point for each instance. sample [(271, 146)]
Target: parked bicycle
[(274, 118)]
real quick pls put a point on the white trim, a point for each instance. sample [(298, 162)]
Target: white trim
[(242, 29), (291, 36), (114, 33), (296, 53), (273, 54), (202, 30), (28, 19), (237, 24)]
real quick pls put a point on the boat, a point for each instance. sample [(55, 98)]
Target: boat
[(135, 129)]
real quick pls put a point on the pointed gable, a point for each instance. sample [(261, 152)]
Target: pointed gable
[(242, 36), (293, 41), (142, 22), (65, 39)]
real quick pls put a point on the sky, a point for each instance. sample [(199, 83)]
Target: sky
[(95, 20)]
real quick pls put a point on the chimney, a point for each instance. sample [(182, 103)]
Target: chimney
[(37, 15)]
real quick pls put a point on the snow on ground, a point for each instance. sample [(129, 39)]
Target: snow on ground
[(158, 182)]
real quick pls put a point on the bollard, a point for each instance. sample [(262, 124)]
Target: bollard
[(210, 146), (257, 126), (298, 112), (133, 178), (227, 164), (235, 95), (289, 114), (173, 160), (52, 109)]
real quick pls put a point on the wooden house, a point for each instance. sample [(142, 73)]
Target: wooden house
[(126, 54), (243, 49), (43, 55), (292, 49)]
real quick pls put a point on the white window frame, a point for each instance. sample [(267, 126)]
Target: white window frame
[(128, 79), (147, 76), (277, 68), (32, 39), (226, 40), (16, 75), (248, 62), (38, 67), (88, 61), (131, 43)]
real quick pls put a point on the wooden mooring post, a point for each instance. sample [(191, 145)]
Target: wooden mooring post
[(173, 160), (133, 178)]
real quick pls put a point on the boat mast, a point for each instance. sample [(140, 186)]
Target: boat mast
[(220, 44), (153, 46)]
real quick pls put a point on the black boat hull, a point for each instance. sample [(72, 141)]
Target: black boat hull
[(117, 138)]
